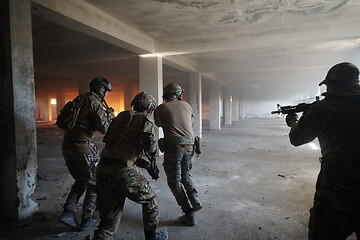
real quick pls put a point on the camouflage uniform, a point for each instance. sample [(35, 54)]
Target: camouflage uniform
[(335, 121), (81, 155), (176, 118), (130, 134)]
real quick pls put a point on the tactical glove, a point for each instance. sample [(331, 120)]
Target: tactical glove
[(110, 113)]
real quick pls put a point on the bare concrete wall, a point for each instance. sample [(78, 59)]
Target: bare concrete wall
[(17, 115)]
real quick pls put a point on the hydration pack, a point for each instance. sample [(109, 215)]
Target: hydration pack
[(68, 115)]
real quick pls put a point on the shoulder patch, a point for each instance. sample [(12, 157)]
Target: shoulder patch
[(148, 125)]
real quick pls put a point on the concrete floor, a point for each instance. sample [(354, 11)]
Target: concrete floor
[(253, 184)]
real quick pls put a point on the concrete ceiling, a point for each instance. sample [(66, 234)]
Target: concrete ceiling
[(281, 47)]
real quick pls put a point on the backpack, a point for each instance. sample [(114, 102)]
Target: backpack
[(68, 115)]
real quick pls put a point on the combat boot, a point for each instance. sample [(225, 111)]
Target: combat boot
[(189, 218), (68, 217), (88, 223), (153, 235)]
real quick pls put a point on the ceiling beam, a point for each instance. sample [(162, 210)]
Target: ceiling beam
[(84, 17)]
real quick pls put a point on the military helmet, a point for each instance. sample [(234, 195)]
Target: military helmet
[(143, 102), (172, 90), (100, 81), (344, 73)]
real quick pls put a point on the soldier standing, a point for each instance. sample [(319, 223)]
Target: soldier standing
[(335, 122), (176, 119), (81, 155), (130, 135)]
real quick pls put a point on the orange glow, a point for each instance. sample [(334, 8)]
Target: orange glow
[(70, 94), (47, 109), (115, 99)]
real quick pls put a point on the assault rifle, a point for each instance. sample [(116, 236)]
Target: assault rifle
[(294, 109)]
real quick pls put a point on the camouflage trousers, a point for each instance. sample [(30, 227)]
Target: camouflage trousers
[(114, 185), (177, 166), (335, 214), (82, 168)]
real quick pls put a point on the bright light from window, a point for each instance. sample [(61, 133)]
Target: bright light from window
[(152, 55), (53, 101), (313, 146), (163, 54)]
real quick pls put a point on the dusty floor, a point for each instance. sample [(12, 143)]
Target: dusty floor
[(253, 184)]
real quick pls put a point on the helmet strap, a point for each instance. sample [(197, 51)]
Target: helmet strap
[(101, 91)]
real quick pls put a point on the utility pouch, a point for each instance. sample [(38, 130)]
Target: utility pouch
[(197, 145), (69, 114), (161, 145)]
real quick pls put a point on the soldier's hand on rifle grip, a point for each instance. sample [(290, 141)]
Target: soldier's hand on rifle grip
[(291, 119), (110, 113)]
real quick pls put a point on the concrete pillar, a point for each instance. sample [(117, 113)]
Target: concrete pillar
[(241, 109), (227, 107), (60, 100), (151, 80), (18, 152), (235, 109), (49, 107), (195, 96), (214, 102), (46, 108)]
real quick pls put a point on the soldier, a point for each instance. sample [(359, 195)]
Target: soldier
[(130, 135), (81, 155), (176, 119), (335, 121)]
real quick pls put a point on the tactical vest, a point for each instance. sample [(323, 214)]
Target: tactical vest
[(122, 129)]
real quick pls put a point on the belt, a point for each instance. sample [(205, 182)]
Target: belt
[(79, 142), (186, 148), (181, 148), (106, 161)]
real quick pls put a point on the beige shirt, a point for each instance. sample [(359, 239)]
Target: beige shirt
[(175, 118)]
